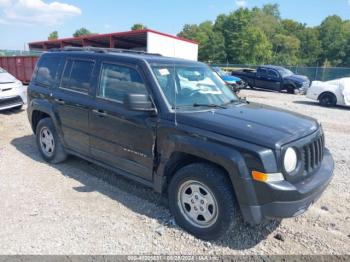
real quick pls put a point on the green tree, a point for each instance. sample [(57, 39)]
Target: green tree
[(333, 40), (138, 27), (259, 35), (211, 43), (267, 19), (310, 46), (257, 49), (272, 10), (346, 61), (234, 27), (82, 32), (189, 32), (285, 49), (290, 26), (53, 35)]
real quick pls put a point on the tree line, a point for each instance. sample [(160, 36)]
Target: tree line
[(260, 36)]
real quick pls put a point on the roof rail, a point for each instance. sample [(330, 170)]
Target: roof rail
[(101, 50)]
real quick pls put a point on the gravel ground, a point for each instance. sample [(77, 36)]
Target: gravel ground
[(68, 209)]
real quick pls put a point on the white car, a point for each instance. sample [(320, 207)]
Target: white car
[(12, 93), (331, 93)]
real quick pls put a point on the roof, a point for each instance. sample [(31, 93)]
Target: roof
[(141, 56), (129, 39), (273, 67)]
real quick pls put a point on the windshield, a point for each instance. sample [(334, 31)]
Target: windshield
[(285, 72), (219, 71), (186, 86)]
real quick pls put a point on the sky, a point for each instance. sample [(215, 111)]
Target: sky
[(24, 21)]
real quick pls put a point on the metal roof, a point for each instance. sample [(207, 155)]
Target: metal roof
[(126, 40)]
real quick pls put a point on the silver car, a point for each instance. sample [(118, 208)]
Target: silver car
[(12, 93)]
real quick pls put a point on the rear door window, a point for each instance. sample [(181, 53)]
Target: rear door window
[(47, 71), (77, 75)]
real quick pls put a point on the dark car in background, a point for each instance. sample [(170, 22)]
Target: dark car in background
[(235, 82), (274, 78)]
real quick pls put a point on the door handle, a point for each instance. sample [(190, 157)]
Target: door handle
[(60, 101), (100, 113)]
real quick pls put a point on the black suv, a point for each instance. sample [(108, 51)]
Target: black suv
[(175, 126)]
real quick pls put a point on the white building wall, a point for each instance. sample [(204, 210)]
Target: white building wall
[(172, 47)]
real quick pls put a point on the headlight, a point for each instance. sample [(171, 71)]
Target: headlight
[(290, 160), (18, 83), (306, 84)]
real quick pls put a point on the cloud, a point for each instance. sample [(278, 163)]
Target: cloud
[(5, 3), (36, 12), (242, 3)]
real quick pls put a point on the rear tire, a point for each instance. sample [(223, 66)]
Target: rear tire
[(48, 142), (328, 100), (291, 90), (202, 201)]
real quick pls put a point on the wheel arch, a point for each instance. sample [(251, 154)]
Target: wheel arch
[(179, 160), (42, 109), (188, 150), (38, 115), (289, 84)]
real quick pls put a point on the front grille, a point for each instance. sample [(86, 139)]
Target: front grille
[(10, 101), (313, 154)]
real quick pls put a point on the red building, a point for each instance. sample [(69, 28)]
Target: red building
[(144, 40)]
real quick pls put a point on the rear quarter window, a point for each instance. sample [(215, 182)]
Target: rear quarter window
[(46, 72), (262, 72)]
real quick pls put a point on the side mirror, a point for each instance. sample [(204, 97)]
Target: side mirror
[(138, 102)]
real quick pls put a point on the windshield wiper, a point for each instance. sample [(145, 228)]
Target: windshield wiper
[(209, 105), (233, 101)]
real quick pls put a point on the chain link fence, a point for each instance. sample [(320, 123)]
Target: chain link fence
[(314, 73)]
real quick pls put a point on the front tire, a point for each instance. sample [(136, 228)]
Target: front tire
[(202, 201), (48, 142), (291, 90)]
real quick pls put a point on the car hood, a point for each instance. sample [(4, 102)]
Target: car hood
[(228, 78), (298, 78), (255, 123), (6, 78)]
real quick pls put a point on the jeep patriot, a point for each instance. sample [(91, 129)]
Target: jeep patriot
[(175, 126)]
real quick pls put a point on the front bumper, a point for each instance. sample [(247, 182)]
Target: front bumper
[(236, 86), (10, 102), (12, 96), (290, 200)]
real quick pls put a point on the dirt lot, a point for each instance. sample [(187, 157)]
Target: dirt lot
[(67, 209)]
